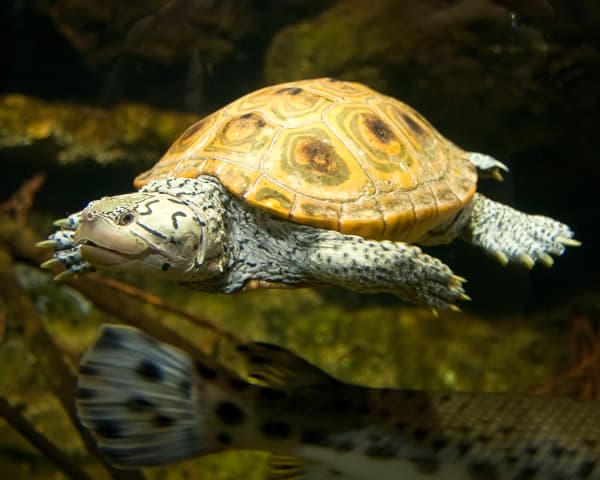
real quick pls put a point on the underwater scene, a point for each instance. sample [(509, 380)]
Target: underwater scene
[(299, 240)]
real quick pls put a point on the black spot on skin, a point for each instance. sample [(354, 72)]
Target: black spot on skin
[(276, 429), (186, 388), (206, 372), (224, 438), (414, 126), (139, 404), (85, 393), (149, 371), (174, 218), (163, 421), (109, 340), (108, 428), (229, 413), (246, 116), (88, 370), (290, 90), (312, 436), (165, 267), (148, 209), (379, 129)]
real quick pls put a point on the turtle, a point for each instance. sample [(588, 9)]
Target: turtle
[(310, 182)]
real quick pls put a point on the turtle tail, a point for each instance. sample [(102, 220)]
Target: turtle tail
[(139, 398)]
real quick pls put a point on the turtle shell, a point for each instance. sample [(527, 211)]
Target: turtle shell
[(331, 154)]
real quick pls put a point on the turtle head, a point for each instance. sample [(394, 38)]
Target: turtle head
[(146, 232)]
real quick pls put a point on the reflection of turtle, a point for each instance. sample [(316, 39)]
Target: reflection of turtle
[(306, 183)]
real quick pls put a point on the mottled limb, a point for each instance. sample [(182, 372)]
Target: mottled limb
[(66, 252), (513, 236), (382, 266), (487, 166)]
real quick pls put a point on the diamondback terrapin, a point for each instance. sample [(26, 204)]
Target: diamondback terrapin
[(306, 183)]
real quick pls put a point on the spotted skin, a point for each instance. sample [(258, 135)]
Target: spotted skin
[(307, 183), (148, 404)]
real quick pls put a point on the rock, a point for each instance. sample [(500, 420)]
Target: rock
[(495, 65), (69, 133)]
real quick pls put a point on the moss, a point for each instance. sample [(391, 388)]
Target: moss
[(70, 133)]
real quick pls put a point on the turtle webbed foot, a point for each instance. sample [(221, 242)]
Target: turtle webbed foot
[(512, 236), (66, 251)]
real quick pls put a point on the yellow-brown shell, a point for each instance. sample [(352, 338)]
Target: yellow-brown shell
[(331, 154)]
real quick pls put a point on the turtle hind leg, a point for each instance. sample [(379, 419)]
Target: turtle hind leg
[(382, 266), (487, 166), (512, 236)]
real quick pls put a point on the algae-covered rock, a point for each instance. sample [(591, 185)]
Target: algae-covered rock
[(162, 30), (504, 68), (369, 41), (70, 132)]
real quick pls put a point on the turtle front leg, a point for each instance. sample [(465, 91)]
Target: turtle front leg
[(383, 266), (513, 236), (66, 252)]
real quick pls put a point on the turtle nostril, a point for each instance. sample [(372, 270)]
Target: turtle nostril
[(89, 216)]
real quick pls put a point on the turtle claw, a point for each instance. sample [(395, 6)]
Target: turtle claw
[(568, 241), (545, 259), (501, 257), (488, 166), (50, 264), (527, 260), (47, 244), (512, 236), (62, 223), (64, 275), (66, 251)]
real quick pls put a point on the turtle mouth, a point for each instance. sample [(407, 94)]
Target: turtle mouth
[(103, 243), (100, 255)]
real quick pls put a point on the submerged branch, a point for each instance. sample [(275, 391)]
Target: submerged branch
[(57, 372), (158, 302), (16, 420)]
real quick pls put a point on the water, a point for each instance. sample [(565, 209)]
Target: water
[(92, 93)]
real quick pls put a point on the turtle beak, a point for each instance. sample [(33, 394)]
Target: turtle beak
[(105, 243)]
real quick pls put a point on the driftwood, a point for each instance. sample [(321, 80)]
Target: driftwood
[(58, 373), (14, 418)]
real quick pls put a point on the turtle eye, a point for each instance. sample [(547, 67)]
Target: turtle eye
[(126, 218)]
